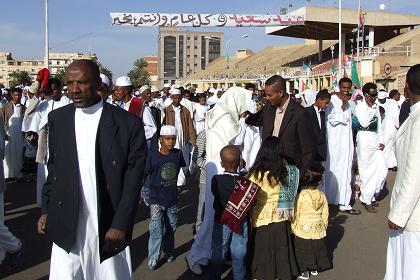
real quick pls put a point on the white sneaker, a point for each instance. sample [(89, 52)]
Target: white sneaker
[(304, 276), (195, 268), (314, 273)]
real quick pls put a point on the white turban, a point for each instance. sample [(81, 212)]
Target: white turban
[(382, 95), (123, 81), (143, 88), (104, 79)]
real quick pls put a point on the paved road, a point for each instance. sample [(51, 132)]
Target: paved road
[(357, 243)]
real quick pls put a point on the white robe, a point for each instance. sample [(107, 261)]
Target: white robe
[(370, 159), (223, 127), (27, 119), (391, 123), (38, 121), (200, 117), (338, 166), (14, 146), (83, 262)]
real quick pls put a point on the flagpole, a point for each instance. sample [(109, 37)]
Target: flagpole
[(340, 66), (46, 58), (358, 32)]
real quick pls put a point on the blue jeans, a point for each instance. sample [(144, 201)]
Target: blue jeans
[(162, 228), (223, 239)]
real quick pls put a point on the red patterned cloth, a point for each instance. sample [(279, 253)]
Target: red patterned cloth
[(240, 201), (136, 107)]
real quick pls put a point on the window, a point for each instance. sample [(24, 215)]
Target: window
[(195, 47), (169, 56)]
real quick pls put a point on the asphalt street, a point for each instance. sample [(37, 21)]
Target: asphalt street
[(357, 244)]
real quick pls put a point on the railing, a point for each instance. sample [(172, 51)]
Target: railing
[(386, 50)]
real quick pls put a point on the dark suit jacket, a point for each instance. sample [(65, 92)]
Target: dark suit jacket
[(296, 135), (121, 152), (321, 135)]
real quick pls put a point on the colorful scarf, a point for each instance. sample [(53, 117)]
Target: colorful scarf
[(240, 201), (288, 190)]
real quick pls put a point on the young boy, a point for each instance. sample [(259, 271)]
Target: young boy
[(223, 237), (161, 173)]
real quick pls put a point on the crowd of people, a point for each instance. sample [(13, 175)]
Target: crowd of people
[(269, 164)]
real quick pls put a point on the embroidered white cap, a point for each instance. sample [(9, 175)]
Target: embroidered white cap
[(382, 94), (199, 90), (168, 130), (175, 91), (166, 85), (123, 81), (143, 88), (104, 79)]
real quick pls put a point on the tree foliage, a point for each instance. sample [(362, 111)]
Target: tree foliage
[(139, 75), (104, 70), (19, 77), (61, 75)]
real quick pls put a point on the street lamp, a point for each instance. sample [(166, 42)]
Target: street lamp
[(227, 55)]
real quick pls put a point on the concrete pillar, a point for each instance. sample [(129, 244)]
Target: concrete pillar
[(177, 58), (320, 50), (371, 37)]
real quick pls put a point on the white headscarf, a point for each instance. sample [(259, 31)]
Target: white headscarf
[(222, 122)]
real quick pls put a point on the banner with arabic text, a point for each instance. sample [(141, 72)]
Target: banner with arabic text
[(204, 20)]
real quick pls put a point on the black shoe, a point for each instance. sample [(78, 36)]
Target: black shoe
[(375, 204), (370, 208), (16, 259)]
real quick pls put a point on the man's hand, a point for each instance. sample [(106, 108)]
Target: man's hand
[(41, 224), (393, 226), (245, 114), (114, 240), (381, 147)]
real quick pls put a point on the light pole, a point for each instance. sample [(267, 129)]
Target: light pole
[(46, 58), (340, 51), (227, 55), (358, 32)]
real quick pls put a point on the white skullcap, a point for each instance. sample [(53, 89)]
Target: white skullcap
[(137, 93), (65, 88), (168, 130), (26, 87), (167, 85), (143, 88), (212, 90), (154, 89), (176, 86), (104, 79), (382, 94), (199, 90), (175, 91), (123, 81)]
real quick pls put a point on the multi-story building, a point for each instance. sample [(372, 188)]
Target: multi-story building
[(58, 61), (183, 53), (152, 68)]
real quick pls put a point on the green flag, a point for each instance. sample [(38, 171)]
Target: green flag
[(354, 75)]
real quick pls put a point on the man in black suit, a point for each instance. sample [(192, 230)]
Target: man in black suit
[(283, 118), (96, 159), (317, 112)]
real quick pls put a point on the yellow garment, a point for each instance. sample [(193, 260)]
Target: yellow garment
[(265, 210), (311, 216)]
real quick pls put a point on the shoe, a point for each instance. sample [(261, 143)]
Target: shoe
[(314, 273), (304, 276), (375, 204), (195, 268), (351, 212), (169, 258), (370, 208), (152, 264), (16, 259)]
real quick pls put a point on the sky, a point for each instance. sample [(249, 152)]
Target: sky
[(83, 25)]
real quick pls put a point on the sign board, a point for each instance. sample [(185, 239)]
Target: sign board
[(204, 20)]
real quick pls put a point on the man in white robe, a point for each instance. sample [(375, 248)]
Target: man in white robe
[(223, 128), (338, 166), (403, 255), (12, 114), (91, 194), (54, 99), (370, 156)]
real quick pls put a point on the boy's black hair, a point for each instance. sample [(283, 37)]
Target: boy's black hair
[(313, 175), (269, 158)]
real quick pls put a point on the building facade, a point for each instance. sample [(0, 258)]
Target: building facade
[(183, 53), (152, 68), (57, 62)]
